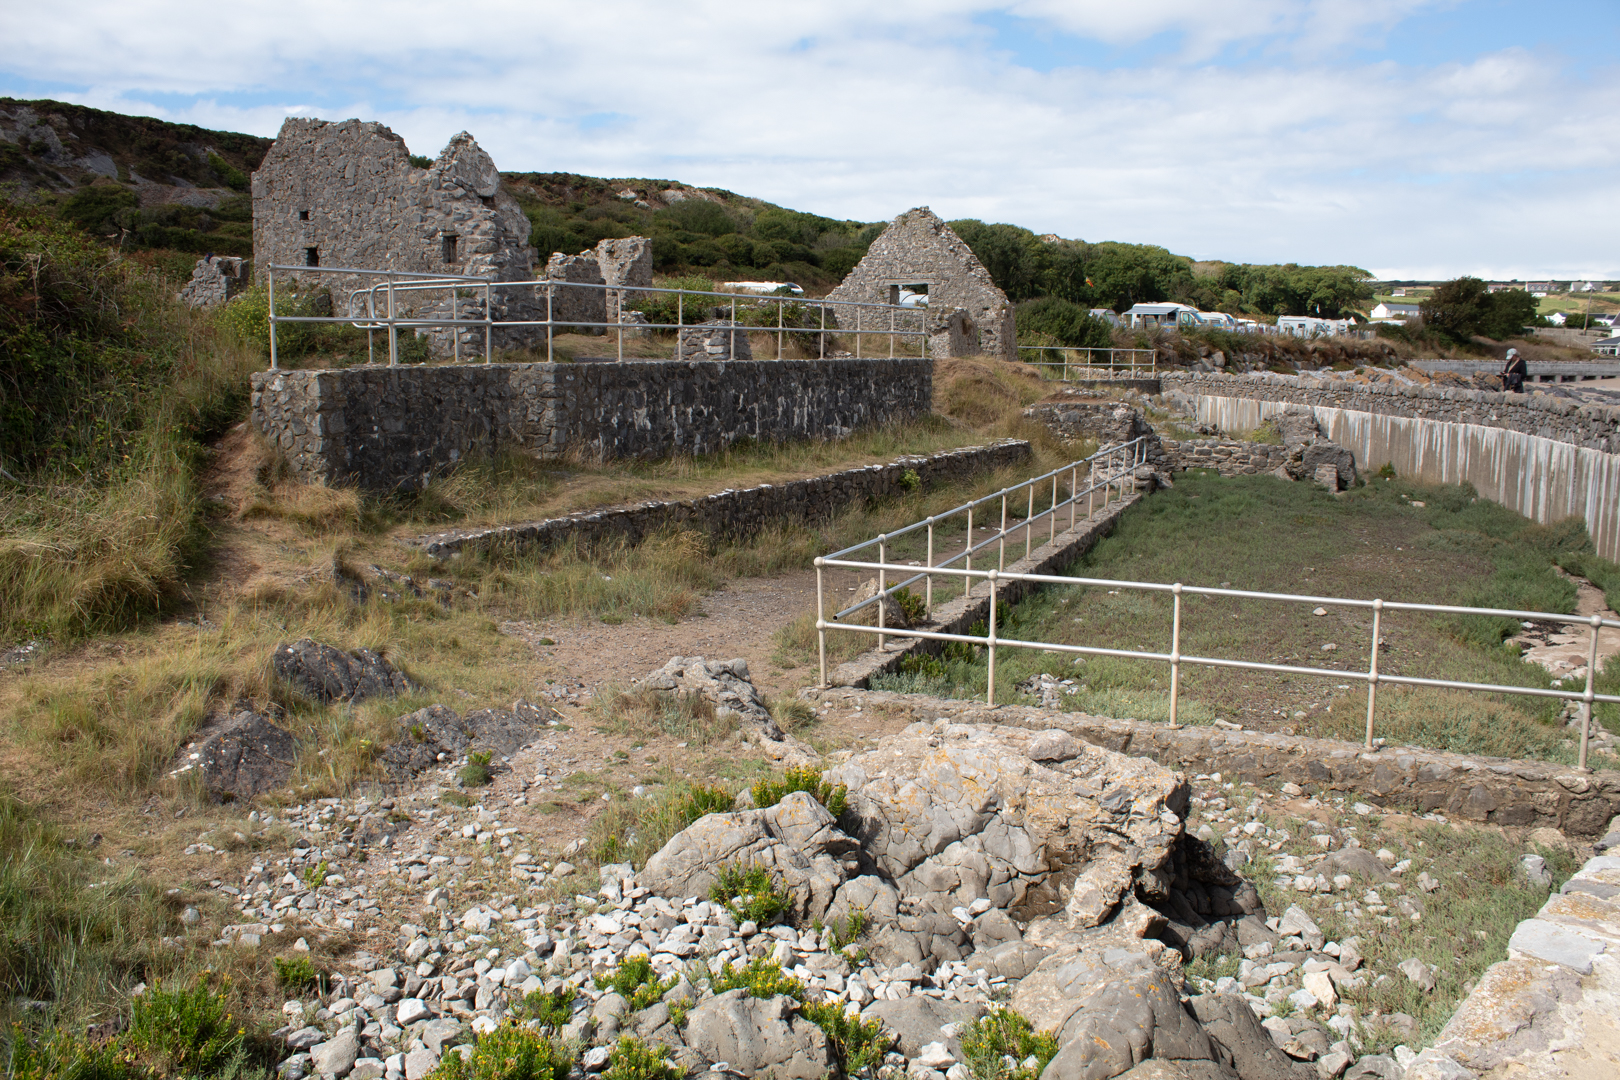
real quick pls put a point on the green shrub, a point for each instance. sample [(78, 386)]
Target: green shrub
[(751, 894), (230, 174), (914, 607), (997, 1045), (295, 973), (315, 876), (630, 831), (633, 1059), (769, 792), (476, 772), (553, 1010), (510, 1052), (762, 978), (857, 1045), (634, 980), (663, 308)]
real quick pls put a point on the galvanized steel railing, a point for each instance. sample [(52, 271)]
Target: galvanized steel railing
[(380, 309), (1136, 363), (991, 642)]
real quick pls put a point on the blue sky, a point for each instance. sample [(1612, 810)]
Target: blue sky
[(1421, 138)]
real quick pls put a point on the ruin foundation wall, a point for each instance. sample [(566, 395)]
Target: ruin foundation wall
[(386, 428)]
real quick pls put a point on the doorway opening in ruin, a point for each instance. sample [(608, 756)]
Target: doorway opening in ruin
[(303, 215), (312, 256), (447, 248)]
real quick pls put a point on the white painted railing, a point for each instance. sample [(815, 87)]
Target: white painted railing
[(1088, 363), (992, 642)]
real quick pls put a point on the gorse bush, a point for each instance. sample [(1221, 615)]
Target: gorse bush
[(999, 1046), (858, 1045), (553, 1010), (634, 980), (632, 1059), (762, 978), (751, 894), (769, 792), (510, 1052)]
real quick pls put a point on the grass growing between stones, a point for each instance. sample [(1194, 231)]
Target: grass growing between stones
[(1462, 924), (1389, 538)]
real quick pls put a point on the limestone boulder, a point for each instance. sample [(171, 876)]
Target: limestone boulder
[(1242, 1042), (243, 757), (916, 1021), (328, 674), (757, 1037), (424, 735), (726, 684), (797, 840), (953, 813)]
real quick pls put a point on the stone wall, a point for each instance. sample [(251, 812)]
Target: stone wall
[(349, 192), (736, 513), (396, 427), (1229, 457), (919, 248), (1545, 457), (214, 280), (1499, 791)]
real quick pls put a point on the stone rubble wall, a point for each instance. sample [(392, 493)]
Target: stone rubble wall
[(736, 513), (1228, 457), (397, 427), (1545, 457), (214, 280), (349, 190), (1498, 791), (717, 340), (919, 247)]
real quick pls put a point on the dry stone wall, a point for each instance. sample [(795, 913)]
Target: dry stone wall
[(1229, 457), (214, 280), (737, 513), (396, 427), (919, 248)]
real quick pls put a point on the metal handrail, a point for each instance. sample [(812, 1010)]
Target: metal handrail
[(1132, 370), (397, 282), (1175, 658), (1105, 469)]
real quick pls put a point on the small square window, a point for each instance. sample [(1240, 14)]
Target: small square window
[(303, 215), (447, 248), (312, 256)]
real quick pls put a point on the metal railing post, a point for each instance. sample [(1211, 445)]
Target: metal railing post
[(928, 587), (1372, 670), (883, 583), (393, 330), (1029, 520), (1074, 494), (618, 319), (731, 354), (551, 331), (455, 331), (779, 329), (271, 283), (1001, 537), (891, 333), (1175, 653), (967, 582), (1051, 531), (990, 681), (821, 624), (821, 338), (857, 331), (489, 320), (1586, 697)]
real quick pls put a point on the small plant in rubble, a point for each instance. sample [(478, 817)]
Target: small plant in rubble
[(858, 1045), (553, 1009), (762, 978), (633, 1059), (751, 895), (634, 980), (510, 1052), (769, 792), (1002, 1045), (476, 772)]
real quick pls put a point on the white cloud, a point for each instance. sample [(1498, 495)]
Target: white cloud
[(857, 110)]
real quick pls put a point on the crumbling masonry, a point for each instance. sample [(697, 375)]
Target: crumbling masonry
[(920, 249)]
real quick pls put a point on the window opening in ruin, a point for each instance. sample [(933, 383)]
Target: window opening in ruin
[(303, 215), (448, 248), (912, 294), (312, 256)]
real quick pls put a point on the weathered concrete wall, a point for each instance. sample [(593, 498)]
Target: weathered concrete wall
[(736, 513), (1544, 457), (918, 247), (396, 427), (349, 190), (1495, 790)]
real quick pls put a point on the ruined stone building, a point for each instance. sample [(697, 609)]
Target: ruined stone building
[(919, 249), (346, 194)]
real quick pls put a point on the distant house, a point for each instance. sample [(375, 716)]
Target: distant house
[(1609, 346), (1398, 292), (1557, 318), (1141, 316), (1395, 311)]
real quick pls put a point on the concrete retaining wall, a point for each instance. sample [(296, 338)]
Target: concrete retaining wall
[(736, 513), (1546, 458), (397, 427)]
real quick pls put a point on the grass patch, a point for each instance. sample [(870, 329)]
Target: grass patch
[(632, 830), (1002, 1046), (688, 717), (770, 791)]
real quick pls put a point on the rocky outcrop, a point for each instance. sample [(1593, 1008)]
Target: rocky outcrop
[(759, 1037), (328, 674), (726, 685), (214, 280), (434, 735), (718, 340)]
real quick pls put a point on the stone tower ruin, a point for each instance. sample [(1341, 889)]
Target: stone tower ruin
[(918, 248), (346, 194)]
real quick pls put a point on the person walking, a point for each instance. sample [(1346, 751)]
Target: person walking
[(1513, 372)]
